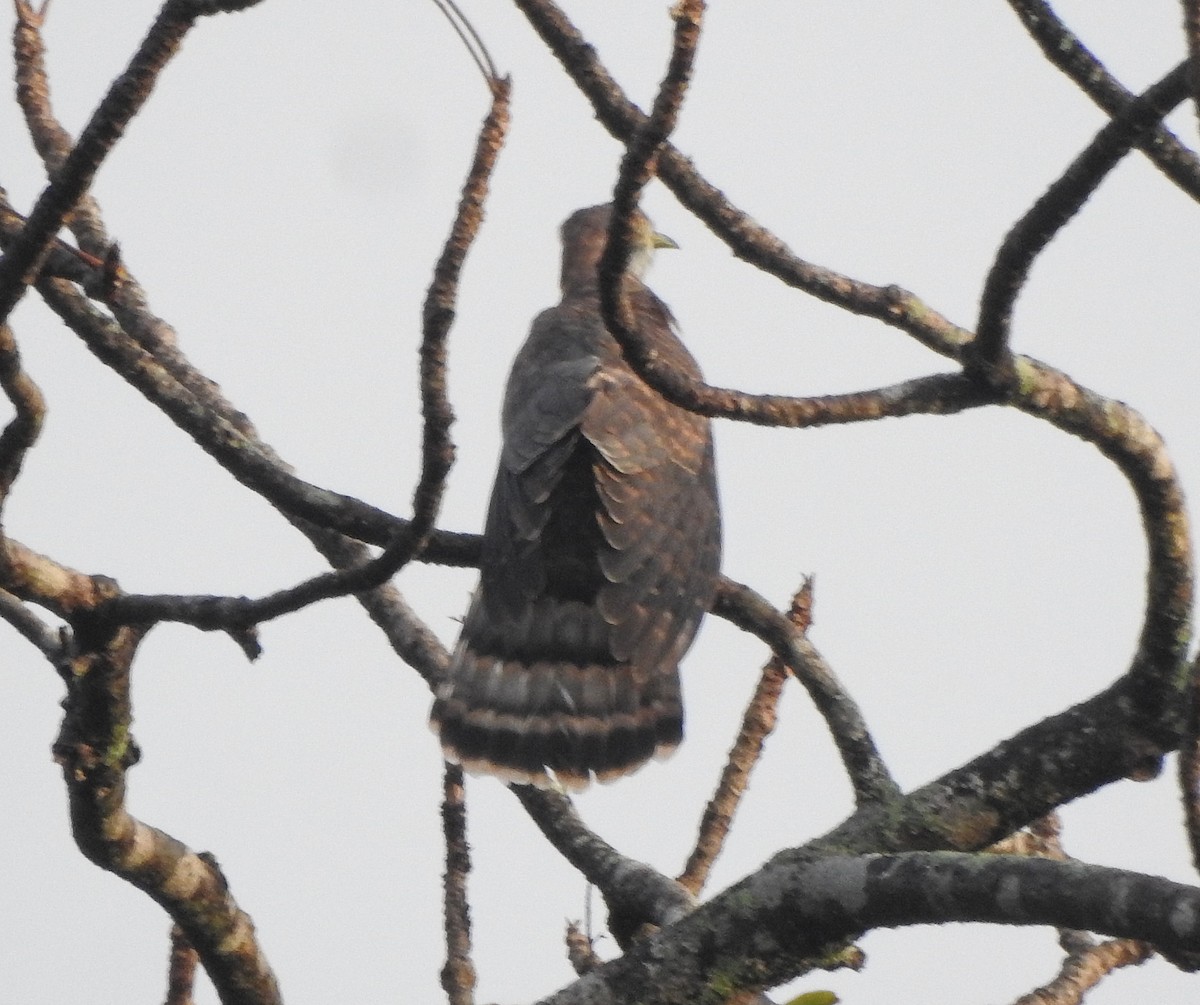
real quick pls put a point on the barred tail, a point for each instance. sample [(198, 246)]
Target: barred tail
[(553, 720)]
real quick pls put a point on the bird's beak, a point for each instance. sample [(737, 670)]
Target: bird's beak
[(662, 241)]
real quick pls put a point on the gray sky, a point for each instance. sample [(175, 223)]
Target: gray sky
[(283, 197)]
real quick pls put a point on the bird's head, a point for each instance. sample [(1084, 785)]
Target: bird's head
[(585, 234)]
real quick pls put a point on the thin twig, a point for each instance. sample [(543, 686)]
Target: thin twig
[(471, 40), (758, 722), (33, 629), (458, 975), (1084, 967), (580, 954), (21, 433), (181, 969), (52, 142)]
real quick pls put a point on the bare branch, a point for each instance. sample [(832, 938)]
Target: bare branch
[(471, 40), (458, 975), (580, 953), (22, 432), (126, 96), (1022, 778), (758, 722), (49, 584), (988, 356), (638, 164), (52, 142), (769, 927), (868, 774), (1189, 762), (1086, 966), (745, 238), (1123, 436), (1191, 30), (95, 749), (48, 641), (181, 969), (1064, 50), (636, 894)]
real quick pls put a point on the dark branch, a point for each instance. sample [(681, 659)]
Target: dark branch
[(636, 894), (181, 969), (22, 432), (869, 776), (769, 927), (758, 722), (1064, 50), (458, 975), (745, 238), (988, 356), (128, 93)]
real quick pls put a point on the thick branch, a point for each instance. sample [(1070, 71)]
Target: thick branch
[(764, 930), (1123, 436), (95, 749)]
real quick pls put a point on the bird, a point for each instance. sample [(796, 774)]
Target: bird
[(601, 547)]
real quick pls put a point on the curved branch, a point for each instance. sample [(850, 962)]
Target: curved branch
[(747, 239), (758, 722), (95, 750), (125, 98), (1085, 966), (636, 893), (988, 355), (637, 166), (769, 927), (1063, 49), (22, 432), (869, 775), (1123, 436)]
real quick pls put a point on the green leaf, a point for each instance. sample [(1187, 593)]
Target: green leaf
[(815, 998)]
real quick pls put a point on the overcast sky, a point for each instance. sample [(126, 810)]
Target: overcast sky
[(283, 197)]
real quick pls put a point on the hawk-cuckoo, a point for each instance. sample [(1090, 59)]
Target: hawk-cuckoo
[(601, 548)]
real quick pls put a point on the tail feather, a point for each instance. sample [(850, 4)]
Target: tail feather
[(548, 721)]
